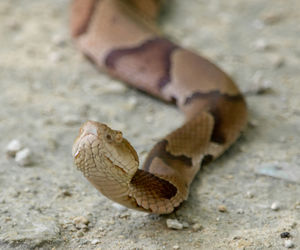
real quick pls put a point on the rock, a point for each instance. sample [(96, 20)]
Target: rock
[(24, 157), (174, 224), (222, 209), (262, 45), (275, 206), (35, 229), (80, 234), (185, 224), (119, 207), (249, 195), (95, 241), (81, 222), (240, 211), (285, 235), (176, 247), (13, 147), (197, 227), (288, 243)]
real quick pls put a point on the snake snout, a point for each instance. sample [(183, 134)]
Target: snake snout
[(89, 127)]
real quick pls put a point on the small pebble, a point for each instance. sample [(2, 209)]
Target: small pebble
[(80, 234), (197, 227), (95, 241), (240, 211), (81, 222), (13, 147), (261, 45), (185, 224), (174, 224), (249, 195), (176, 247), (288, 243), (275, 206), (222, 209), (24, 157), (285, 235), (119, 207)]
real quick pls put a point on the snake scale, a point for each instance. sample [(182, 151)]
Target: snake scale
[(121, 38)]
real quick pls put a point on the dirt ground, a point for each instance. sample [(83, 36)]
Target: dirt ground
[(244, 200)]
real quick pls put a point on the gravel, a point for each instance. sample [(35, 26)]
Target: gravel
[(48, 89)]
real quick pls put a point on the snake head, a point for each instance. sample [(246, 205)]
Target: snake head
[(97, 140), (96, 130)]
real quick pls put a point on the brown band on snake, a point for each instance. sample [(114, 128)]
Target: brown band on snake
[(153, 57), (160, 151), (216, 102), (120, 42)]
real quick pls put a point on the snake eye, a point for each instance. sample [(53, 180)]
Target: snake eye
[(108, 137)]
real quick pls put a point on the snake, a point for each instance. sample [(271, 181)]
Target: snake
[(122, 38)]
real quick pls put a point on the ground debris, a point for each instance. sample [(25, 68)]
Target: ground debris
[(174, 224)]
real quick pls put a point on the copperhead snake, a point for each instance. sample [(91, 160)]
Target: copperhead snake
[(121, 38)]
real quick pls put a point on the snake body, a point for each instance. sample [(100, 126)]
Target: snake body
[(121, 38)]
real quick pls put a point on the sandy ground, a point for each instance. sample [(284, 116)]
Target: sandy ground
[(48, 89)]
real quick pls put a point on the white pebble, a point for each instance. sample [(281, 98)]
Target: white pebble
[(24, 157), (275, 206), (81, 222), (119, 207), (240, 211), (261, 44), (95, 242), (249, 195), (13, 147), (174, 224), (176, 247), (289, 243)]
